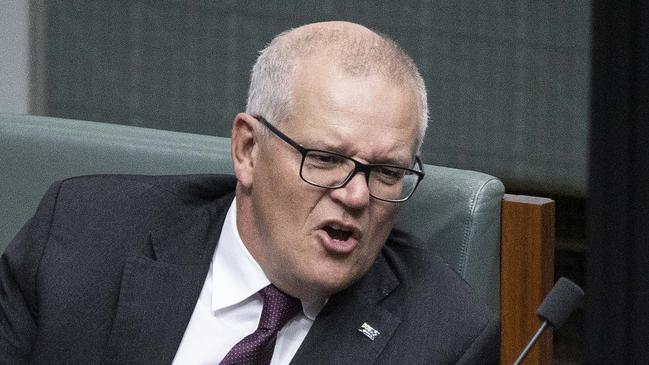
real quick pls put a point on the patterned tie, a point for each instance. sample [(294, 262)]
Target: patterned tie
[(257, 347)]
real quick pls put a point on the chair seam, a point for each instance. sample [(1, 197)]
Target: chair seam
[(468, 228)]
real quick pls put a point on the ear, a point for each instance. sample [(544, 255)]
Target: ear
[(244, 148)]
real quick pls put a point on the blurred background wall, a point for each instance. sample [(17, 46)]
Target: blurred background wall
[(508, 81), (14, 56)]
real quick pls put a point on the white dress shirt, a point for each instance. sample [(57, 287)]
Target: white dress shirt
[(229, 308)]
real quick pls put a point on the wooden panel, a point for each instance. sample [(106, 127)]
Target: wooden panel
[(527, 274)]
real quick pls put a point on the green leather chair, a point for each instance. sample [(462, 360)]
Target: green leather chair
[(456, 212), (503, 245)]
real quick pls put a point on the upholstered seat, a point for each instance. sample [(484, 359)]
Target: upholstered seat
[(459, 215), (455, 212)]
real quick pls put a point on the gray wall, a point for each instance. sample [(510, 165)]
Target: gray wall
[(14, 56), (508, 80)]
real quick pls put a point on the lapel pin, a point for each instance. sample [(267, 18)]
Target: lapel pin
[(369, 331)]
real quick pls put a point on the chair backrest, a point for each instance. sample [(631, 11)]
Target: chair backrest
[(455, 212)]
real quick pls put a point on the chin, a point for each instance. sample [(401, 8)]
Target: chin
[(328, 282)]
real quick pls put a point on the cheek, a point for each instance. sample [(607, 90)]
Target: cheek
[(287, 205), (270, 199), (382, 219)]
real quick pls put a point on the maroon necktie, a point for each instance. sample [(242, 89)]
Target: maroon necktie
[(257, 347)]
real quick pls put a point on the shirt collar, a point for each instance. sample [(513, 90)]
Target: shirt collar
[(236, 275)]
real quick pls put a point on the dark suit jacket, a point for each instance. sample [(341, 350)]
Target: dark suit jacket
[(109, 270)]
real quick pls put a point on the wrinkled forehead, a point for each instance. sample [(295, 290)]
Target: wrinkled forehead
[(361, 113), (319, 70)]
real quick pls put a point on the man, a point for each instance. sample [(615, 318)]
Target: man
[(299, 265)]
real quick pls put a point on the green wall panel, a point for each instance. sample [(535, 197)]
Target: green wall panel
[(508, 80)]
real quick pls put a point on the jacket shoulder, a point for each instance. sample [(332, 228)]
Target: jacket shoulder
[(184, 187), (437, 305), (106, 209)]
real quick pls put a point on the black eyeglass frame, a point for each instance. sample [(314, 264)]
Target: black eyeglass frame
[(358, 166)]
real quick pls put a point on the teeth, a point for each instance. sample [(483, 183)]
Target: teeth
[(335, 226)]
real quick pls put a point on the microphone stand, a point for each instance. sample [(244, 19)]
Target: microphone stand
[(527, 348)]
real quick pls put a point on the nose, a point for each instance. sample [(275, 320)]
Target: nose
[(355, 194)]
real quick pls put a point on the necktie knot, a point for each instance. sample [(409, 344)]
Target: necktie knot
[(278, 308), (257, 348)]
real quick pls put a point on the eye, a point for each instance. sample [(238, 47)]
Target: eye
[(389, 175), (320, 159)]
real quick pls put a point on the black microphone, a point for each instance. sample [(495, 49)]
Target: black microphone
[(564, 297)]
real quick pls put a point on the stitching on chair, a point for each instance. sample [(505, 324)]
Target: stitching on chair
[(468, 228)]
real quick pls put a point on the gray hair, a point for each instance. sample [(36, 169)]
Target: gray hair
[(270, 92)]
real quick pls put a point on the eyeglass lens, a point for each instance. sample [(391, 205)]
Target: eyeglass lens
[(330, 170)]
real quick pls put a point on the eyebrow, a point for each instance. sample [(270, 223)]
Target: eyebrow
[(380, 161)]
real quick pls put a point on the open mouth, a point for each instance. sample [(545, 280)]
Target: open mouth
[(338, 238), (337, 233)]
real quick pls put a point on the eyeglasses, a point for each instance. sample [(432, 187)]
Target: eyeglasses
[(332, 171)]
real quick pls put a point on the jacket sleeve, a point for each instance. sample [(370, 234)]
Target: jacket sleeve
[(485, 349), (18, 293)]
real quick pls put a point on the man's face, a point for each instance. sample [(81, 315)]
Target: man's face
[(312, 241)]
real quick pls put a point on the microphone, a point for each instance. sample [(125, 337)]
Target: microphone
[(555, 309)]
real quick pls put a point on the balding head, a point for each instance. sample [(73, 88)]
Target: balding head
[(354, 49)]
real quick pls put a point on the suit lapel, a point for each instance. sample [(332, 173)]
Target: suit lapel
[(158, 294), (156, 302), (335, 337)]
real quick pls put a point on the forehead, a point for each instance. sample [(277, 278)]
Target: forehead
[(364, 116)]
